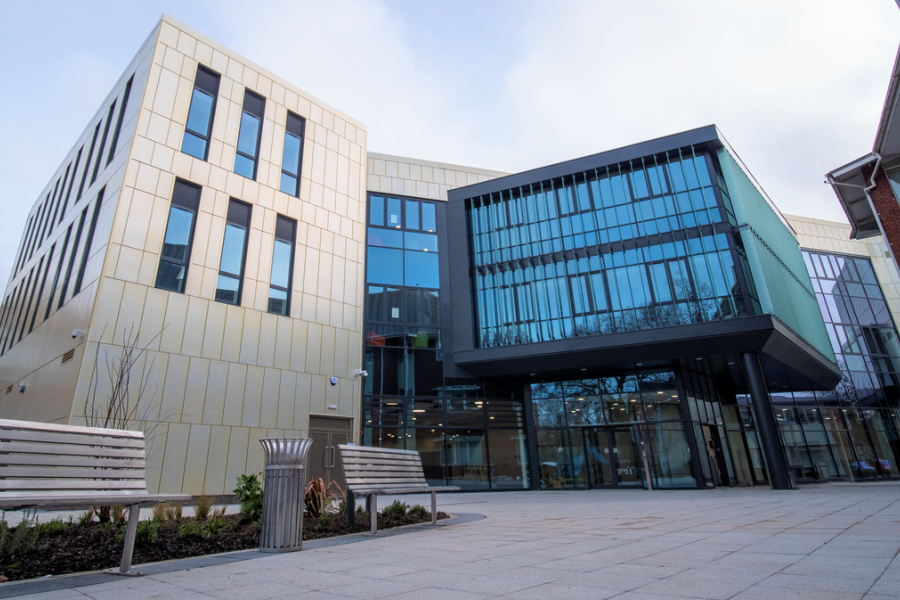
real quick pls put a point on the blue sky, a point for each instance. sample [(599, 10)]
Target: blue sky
[(797, 87)]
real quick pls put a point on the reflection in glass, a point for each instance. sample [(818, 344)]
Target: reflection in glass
[(178, 233), (421, 269), (466, 459), (509, 459)]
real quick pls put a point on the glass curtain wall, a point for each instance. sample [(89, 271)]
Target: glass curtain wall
[(468, 433), (621, 248), (593, 432), (852, 431)]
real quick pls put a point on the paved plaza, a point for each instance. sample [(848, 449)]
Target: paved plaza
[(819, 542)]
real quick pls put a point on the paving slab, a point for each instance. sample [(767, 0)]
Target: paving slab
[(824, 542)]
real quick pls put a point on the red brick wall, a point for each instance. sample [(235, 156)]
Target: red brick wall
[(888, 209)]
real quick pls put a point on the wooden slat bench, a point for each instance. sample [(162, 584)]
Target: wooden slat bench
[(63, 467), (372, 471)]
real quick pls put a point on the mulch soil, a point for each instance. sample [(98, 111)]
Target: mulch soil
[(93, 546)]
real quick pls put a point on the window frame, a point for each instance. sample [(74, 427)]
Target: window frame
[(290, 283), (194, 210), (298, 123), (246, 228), (261, 117), (212, 111)]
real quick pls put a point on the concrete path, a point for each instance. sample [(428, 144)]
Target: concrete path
[(824, 542)]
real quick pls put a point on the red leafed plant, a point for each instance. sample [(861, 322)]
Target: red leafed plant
[(319, 496)]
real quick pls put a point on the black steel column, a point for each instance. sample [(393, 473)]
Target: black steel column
[(766, 427), (531, 438)]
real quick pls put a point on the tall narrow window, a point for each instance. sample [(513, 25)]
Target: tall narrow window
[(87, 163), (40, 293), (59, 264), (24, 249), (200, 115), (21, 310), (62, 192), (234, 253), (282, 266), (42, 214), (65, 285), (48, 223), (109, 116), (115, 140), (86, 253), (11, 322), (293, 154), (248, 137), (176, 250), (71, 185), (31, 298)]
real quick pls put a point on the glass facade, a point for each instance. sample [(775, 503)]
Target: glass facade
[(594, 432), (469, 434), (622, 248), (853, 430)]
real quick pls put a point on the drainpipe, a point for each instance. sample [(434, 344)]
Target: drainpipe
[(866, 190)]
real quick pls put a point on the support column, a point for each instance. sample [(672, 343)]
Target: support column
[(766, 427)]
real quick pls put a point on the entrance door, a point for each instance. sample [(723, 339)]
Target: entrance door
[(327, 433), (626, 458), (599, 457), (613, 457)]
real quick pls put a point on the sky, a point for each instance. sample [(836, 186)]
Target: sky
[(796, 86)]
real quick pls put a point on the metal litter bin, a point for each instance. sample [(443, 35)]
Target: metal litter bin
[(282, 517)]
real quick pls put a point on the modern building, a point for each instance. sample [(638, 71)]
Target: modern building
[(211, 216), (642, 315)]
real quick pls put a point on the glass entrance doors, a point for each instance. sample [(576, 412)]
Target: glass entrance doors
[(613, 457)]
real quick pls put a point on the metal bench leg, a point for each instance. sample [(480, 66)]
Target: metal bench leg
[(134, 514), (433, 508), (351, 508), (372, 502)]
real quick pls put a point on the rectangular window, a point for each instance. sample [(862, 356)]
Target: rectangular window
[(87, 163), (71, 185), (40, 293), (27, 306), (293, 154), (37, 231), (200, 116), (176, 250), (109, 116), (86, 253), (115, 140), (11, 320), (234, 253), (23, 251), (62, 257), (65, 285), (62, 192), (282, 267), (245, 158)]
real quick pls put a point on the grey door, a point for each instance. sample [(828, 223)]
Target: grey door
[(327, 433)]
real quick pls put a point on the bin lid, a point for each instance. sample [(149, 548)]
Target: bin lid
[(286, 451)]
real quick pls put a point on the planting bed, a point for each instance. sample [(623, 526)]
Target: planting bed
[(93, 546)]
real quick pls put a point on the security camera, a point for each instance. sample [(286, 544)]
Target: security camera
[(77, 333), (361, 373)]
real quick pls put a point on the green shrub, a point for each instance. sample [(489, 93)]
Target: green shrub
[(147, 533), (192, 529), (249, 493), (324, 520), (21, 538), (418, 511), (54, 527), (396, 509), (86, 517), (360, 510), (217, 525), (342, 508), (202, 507)]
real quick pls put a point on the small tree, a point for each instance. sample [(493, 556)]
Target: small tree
[(120, 408)]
